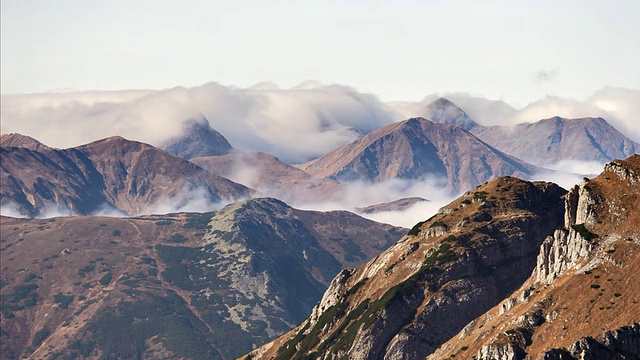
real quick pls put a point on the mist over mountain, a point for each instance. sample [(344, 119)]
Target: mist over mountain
[(295, 125), (113, 174), (197, 139), (270, 177)]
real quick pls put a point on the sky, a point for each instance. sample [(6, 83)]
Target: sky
[(515, 51)]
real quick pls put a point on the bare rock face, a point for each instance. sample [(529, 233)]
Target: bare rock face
[(571, 243), (500, 352)]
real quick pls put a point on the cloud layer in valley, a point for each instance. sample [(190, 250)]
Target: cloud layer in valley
[(295, 124)]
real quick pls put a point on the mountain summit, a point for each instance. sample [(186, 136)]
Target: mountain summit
[(443, 111), (198, 139), (415, 149)]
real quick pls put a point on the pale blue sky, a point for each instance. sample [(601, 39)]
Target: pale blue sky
[(517, 51)]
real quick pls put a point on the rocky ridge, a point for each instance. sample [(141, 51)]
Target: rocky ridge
[(395, 305), (434, 294)]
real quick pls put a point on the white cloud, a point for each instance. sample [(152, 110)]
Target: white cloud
[(295, 124)]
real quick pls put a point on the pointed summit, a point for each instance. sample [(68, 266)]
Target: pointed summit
[(198, 139), (443, 111)]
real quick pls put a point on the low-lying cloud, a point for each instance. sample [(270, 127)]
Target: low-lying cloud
[(295, 124)]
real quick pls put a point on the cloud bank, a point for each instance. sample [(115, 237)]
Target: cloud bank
[(296, 124)]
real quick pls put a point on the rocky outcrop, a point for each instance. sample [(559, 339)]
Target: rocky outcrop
[(623, 171), (571, 243), (501, 352), (622, 343)]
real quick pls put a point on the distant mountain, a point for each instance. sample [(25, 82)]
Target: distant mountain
[(396, 205), (510, 270), (443, 111), (22, 141), (197, 139), (418, 148), (269, 176), (113, 173), (547, 142), (188, 285)]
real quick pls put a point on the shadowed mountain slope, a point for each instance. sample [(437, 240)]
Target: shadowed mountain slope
[(185, 285), (114, 173)]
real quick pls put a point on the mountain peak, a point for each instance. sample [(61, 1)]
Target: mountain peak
[(444, 111), (198, 139), (23, 141)]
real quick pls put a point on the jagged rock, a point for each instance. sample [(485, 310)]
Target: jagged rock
[(625, 340), (624, 172), (622, 343), (500, 352)]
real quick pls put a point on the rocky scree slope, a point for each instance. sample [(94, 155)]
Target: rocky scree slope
[(446, 272), (417, 149), (582, 299), (111, 174), (212, 285)]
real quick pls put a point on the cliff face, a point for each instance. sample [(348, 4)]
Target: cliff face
[(583, 286), (443, 274)]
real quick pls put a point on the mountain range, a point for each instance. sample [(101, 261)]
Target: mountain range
[(113, 174), (510, 270), (187, 285), (545, 142)]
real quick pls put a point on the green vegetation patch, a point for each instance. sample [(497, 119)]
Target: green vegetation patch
[(198, 221), (584, 232), (416, 228), (63, 300), (122, 332)]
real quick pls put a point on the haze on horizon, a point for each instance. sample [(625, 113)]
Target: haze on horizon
[(517, 52)]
